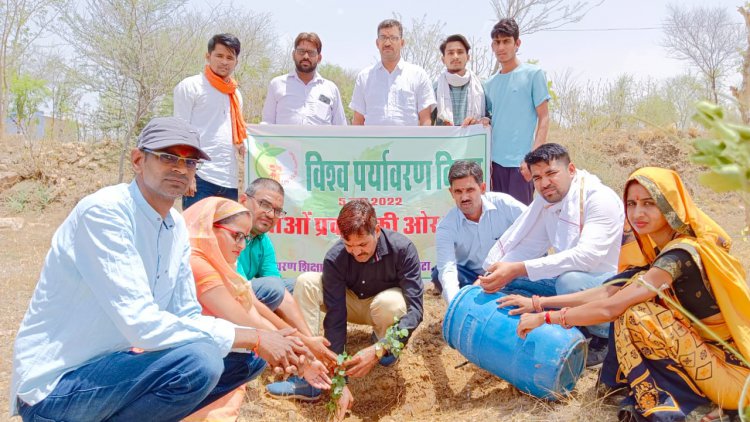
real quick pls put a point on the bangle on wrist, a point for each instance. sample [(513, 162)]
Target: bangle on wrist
[(536, 303), (547, 318), (564, 323)]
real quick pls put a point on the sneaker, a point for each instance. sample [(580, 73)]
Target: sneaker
[(598, 348), (388, 360), (295, 388)]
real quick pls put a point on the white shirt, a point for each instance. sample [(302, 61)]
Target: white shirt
[(394, 98), (597, 249), (117, 276), (206, 108), (463, 242), (290, 101)]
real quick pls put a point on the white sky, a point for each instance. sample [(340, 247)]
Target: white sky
[(348, 30)]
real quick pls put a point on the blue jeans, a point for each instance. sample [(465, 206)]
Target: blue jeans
[(270, 290), (204, 189), (466, 277), (570, 282), (164, 385)]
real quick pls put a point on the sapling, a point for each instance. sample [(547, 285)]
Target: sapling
[(391, 343)]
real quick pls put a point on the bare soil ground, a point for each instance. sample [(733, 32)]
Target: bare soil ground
[(425, 384)]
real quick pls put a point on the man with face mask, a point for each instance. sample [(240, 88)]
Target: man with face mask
[(577, 217), (459, 92), (302, 96)]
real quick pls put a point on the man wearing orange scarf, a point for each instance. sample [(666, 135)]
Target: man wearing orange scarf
[(211, 102)]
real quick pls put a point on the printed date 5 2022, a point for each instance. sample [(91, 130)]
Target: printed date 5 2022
[(387, 200)]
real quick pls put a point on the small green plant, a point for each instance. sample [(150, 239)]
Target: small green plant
[(726, 154), (338, 382), (391, 343), (43, 197), (17, 201), (392, 340)]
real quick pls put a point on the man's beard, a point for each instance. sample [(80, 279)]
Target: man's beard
[(310, 69)]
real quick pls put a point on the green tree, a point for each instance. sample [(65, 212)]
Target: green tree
[(618, 100), (130, 55), (683, 92), (22, 22), (344, 79), (26, 95)]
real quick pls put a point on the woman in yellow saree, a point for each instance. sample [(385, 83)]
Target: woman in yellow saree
[(669, 363)]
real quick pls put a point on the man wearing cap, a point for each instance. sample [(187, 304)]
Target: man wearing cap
[(114, 329)]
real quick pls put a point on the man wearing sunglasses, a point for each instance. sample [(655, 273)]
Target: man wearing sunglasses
[(302, 96), (114, 330)]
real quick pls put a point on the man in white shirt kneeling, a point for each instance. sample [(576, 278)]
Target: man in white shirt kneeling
[(575, 216)]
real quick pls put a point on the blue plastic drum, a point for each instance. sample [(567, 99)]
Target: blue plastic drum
[(546, 364)]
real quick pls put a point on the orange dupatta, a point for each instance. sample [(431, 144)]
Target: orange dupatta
[(725, 273), (239, 129), (200, 219)]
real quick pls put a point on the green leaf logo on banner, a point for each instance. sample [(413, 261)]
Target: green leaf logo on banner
[(266, 160)]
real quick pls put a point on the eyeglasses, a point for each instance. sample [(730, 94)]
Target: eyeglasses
[(393, 38), (237, 236), (267, 208), (171, 159), (301, 52)]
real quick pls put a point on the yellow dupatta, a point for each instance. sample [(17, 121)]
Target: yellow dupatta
[(200, 219), (725, 273)]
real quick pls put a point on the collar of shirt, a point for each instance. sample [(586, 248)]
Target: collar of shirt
[(381, 249), (316, 78), (153, 216), (399, 66)]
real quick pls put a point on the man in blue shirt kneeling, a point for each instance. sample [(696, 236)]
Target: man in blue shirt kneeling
[(467, 233), (114, 330)]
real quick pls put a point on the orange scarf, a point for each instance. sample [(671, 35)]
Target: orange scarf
[(239, 129)]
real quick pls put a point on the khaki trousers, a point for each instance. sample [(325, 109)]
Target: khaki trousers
[(377, 311)]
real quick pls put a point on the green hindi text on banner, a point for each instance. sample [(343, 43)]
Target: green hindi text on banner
[(401, 171)]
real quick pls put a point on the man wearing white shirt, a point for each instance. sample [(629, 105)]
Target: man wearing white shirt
[(303, 97), (211, 102), (466, 234), (392, 92), (576, 216)]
